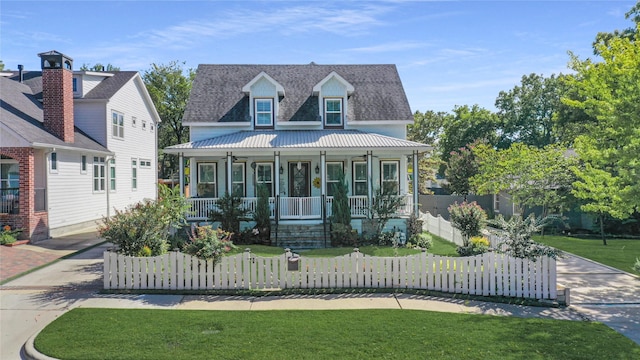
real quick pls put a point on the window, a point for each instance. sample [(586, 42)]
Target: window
[(134, 121), (75, 84), (360, 184), (206, 180), (333, 112), (83, 164), (54, 162), (237, 179), (98, 173), (112, 174), (144, 125), (145, 163), (390, 177), (264, 112), (334, 170), (151, 126), (496, 203), (134, 174), (117, 125), (264, 175)]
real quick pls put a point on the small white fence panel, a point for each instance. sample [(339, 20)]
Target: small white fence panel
[(489, 274)]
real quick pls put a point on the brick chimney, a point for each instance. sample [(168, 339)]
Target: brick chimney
[(57, 94)]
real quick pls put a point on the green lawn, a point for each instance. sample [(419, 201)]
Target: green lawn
[(620, 254), (85, 333), (440, 247)]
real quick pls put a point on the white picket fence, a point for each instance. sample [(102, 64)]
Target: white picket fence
[(441, 227), (489, 274)]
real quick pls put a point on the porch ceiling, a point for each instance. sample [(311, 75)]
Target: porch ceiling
[(289, 141)]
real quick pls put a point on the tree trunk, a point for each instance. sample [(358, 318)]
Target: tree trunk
[(604, 240)]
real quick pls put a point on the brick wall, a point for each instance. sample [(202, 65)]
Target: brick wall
[(35, 225), (57, 95)]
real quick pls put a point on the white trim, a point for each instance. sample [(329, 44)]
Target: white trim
[(381, 122), (93, 73), (299, 123), (318, 87), (271, 112), (279, 88), (225, 124)]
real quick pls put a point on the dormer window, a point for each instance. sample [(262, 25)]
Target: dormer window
[(333, 112), (263, 112)]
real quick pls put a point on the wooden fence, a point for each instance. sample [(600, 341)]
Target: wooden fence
[(489, 274)]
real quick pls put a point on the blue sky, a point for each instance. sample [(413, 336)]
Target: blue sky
[(447, 52)]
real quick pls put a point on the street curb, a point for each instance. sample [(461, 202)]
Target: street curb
[(30, 351)]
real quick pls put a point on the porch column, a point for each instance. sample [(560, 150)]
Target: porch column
[(229, 173), (193, 177), (276, 161), (370, 177), (323, 169), (416, 181), (181, 172)]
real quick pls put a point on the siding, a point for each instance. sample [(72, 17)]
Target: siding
[(91, 118)]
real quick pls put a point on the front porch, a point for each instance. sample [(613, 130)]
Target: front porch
[(296, 208)]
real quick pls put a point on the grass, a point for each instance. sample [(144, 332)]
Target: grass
[(619, 253), (84, 333)]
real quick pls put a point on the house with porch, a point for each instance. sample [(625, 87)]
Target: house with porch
[(74, 146), (294, 128)]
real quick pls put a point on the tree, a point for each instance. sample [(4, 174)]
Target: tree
[(262, 214), (533, 113), (99, 67), (533, 177), (1, 65), (609, 91), (169, 87), (466, 126), (461, 167), (341, 212), (628, 33), (426, 129)]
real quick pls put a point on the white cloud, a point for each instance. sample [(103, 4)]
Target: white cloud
[(388, 47)]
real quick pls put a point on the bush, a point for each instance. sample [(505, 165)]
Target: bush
[(262, 215), (8, 235), (421, 241), (517, 237), (477, 245), (138, 226), (414, 225), (341, 233), (636, 266), (469, 218), (229, 212), (208, 244)]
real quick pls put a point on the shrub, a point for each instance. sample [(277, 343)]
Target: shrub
[(262, 215), (229, 212), (469, 218), (517, 237), (341, 214), (383, 207), (477, 245), (8, 235), (636, 266), (140, 225), (414, 225), (208, 244), (421, 241)]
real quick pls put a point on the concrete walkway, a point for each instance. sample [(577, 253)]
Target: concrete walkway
[(30, 302)]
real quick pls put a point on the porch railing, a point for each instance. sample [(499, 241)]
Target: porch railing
[(9, 200), (292, 208)]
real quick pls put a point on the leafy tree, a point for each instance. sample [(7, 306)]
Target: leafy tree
[(229, 211), (461, 167), (533, 177), (466, 126), (533, 113), (426, 129), (383, 207), (603, 38), (609, 91), (169, 87), (99, 67), (1, 66)]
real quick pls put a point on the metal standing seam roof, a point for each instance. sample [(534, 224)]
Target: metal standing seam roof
[(299, 139)]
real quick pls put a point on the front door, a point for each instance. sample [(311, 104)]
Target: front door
[(299, 181)]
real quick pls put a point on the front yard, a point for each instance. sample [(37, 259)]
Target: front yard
[(619, 253), (323, 334)]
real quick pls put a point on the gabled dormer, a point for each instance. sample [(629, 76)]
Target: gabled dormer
[(264, 96), (333, 92), (85, 81)]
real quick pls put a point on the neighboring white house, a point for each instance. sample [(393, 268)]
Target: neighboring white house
[(74, 145), (293, 128)]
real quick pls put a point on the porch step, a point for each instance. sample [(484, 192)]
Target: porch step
[(298, 237)]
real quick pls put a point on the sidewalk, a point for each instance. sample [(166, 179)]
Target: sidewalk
[(30, 302)]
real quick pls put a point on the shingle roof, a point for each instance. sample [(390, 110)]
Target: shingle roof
[(21, 112), (105, 90), (217, 94), (299, 139)]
